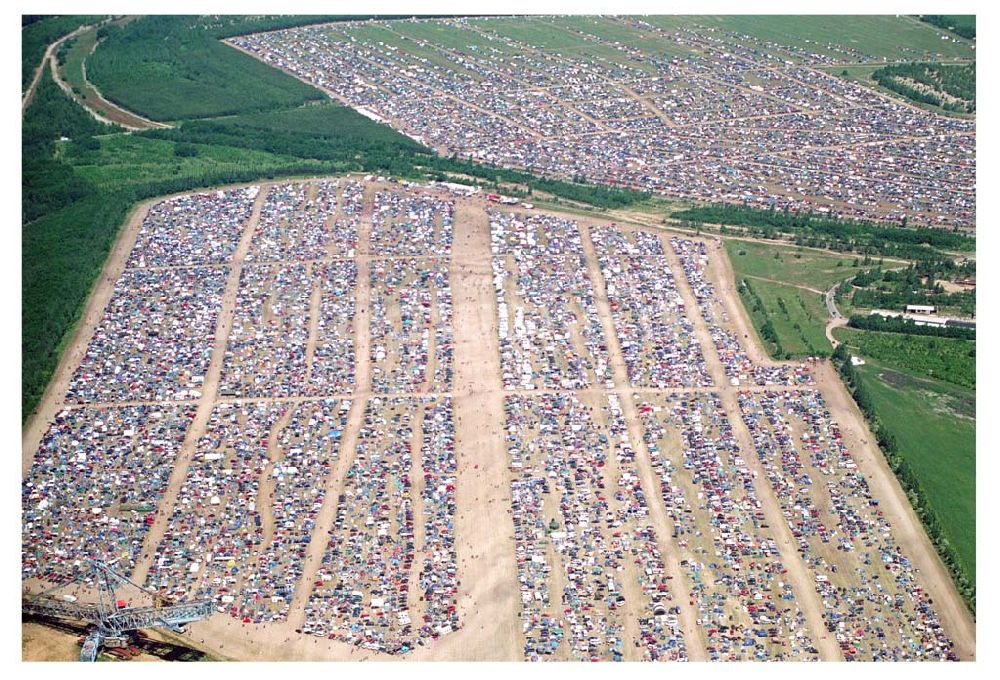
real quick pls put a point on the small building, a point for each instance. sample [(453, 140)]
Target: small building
[(921, 309)]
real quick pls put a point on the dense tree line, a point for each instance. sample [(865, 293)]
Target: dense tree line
[(949, 359), (836, 234), (874, 322), (47, 183), (963, 25), (914, 285), (765, 329), (964, 302), (907, 478)]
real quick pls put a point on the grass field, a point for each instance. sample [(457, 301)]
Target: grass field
[(618, 33), (935, 426), (798, 267), (949, 359), (450, 37), (791, 321), (884, 37), (133, 159), (534, 32)]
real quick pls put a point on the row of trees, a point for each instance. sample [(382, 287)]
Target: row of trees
[(884, 324), (907, 478), (836, 234)]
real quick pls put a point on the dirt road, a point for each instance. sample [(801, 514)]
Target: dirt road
[(694, 635), (29, 94), (798, 574), (206, 403)]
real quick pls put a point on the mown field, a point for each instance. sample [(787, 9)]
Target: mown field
[(934, 424), (795, 266), (789, 320)]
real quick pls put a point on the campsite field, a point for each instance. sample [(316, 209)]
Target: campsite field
[(887, 37), (284, 336), (389, 422)]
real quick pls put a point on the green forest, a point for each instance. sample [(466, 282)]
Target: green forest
[(949, 359), (919, 284), (39, 32), (874, 322)]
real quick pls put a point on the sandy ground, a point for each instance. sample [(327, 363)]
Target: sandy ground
[(488, 601)]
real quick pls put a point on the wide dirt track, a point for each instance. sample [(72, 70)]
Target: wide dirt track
[(487, 599)]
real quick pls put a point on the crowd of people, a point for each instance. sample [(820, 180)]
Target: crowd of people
[(712, 116), (94, 487), (871, 599), (388, 577), (746, 605), (657, 338), (550, 331), (583, 540)]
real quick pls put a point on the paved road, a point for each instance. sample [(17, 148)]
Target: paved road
[(831, 303)]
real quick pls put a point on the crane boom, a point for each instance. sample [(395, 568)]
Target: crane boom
[(111, 620)]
